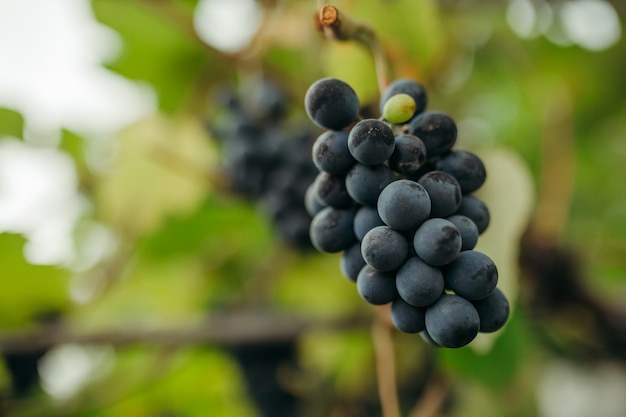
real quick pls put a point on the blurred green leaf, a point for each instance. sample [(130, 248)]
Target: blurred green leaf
[(162, 169), (28, 291), (159, 47), (11, 123)]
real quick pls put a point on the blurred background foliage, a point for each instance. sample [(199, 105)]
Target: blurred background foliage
[(136, 282)]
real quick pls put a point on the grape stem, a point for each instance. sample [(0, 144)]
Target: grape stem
[(385, 363), (340, 27)]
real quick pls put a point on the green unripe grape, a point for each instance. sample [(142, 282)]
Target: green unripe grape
[(399, 108)]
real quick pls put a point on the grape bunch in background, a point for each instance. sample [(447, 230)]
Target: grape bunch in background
[(262, 158), (396, 199)]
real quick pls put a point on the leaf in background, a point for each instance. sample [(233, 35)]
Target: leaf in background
[(74, 146), (150, 295), (11, 123), (28, 290), (162, 169), (345, 360), (222, 224), (160, 49), (509, 194), (353, 64), (315, 286)]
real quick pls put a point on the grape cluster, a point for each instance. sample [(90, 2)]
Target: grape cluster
[(396, 199), (262, 159)]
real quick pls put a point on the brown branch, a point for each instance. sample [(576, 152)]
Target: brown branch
[(385, 363), (433, 398), (340, 27), (557, 176), (227, 330), (555, 289)]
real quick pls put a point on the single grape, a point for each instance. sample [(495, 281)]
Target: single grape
[(331, 190), (311, 202), (418, 283), (365, 219), (384, 248), (437, 130), (407, 318), (468, 230), (364, 183), (452, 321), (405, 86), (331, 103), (352, 262), (399, 108), (476, 210), (409, 154), (371, 141), (437, 242), (330, 152), (426, 337), (331, 230), (444, 191), (472, 275), (376, 287), (403, 205), (466, 167), (493, 311)]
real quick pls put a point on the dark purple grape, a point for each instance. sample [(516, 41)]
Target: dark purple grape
[(409, 154), (405, 86), (331, 191), (364, 183), (371, 141), (466, 167), (331, 230), (452, 321), (407, 318), (418, 283), (384, 248), (330, 152), (403, 205), (476, 210), (468, 230), (331, 104), (365, 219), (437, 242), (444, 191), (376, 287), (352, 262), (312, 203), (437, 130), (426, 337), (493, 311), (472, 275)]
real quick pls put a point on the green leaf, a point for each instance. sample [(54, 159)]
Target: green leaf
[(162, 169), (28, 290), (11, 123), (160, 48), (220, 224)]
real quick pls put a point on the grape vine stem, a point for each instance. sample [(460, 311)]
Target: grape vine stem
[(385, 363), (338, 26)]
